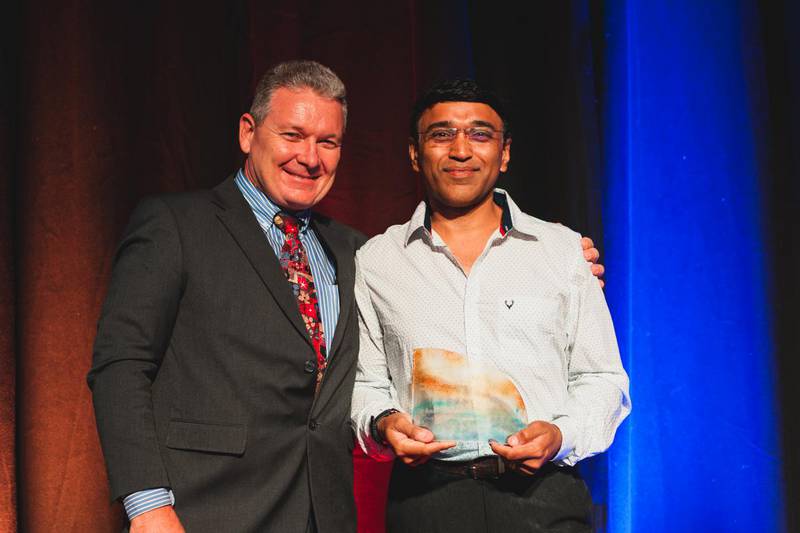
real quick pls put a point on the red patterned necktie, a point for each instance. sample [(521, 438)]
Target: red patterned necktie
[(294, 262)]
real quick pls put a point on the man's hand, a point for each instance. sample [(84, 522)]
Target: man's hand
[(593, 256), (532, 447), (161, 520), (413, 444)]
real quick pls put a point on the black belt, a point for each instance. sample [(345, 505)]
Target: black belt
[(491, 467)]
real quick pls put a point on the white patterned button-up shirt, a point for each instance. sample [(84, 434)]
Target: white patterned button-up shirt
[(555, 340)]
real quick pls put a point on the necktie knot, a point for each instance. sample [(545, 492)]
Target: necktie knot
[(287, 223)]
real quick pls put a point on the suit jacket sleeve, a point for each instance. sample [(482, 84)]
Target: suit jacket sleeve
[(133, 335)]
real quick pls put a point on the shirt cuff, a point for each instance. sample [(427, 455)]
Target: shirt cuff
[(140, 502), (568, 435)]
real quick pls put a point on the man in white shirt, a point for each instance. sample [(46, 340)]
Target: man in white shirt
[(472, 277)]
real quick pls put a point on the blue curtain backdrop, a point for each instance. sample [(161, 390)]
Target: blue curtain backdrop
[(668, 133), (685, 229)]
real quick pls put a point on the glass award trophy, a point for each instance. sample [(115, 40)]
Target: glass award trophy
[(462, 400)]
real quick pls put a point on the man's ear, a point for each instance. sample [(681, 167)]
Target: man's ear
[(506, 156), (413, 154), (247, 128)]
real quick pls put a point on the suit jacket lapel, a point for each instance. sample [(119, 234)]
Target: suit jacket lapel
[(342, 255), (240, 222)]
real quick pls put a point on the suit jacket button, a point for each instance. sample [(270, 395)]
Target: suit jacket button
[(311, 366), (313, 424)]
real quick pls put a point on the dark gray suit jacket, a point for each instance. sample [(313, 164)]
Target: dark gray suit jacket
[(203, 377)]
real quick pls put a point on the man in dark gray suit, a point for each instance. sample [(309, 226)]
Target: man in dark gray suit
[(225, 355)]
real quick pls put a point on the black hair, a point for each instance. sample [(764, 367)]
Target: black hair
[(459, 90)]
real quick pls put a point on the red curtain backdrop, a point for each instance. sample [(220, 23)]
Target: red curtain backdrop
[(8, 515), (8, 519), (113, 101)]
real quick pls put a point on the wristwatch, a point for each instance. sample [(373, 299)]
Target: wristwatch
[(373, 426)]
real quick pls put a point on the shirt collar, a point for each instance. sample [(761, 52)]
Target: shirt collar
[(263, 207), (512, 218)]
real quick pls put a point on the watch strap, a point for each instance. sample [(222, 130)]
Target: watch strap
[(373, 425)]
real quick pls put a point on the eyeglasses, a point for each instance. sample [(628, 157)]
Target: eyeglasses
[(446, 136)]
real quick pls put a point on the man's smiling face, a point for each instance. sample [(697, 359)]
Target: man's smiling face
[(461, 173), (293, 153)]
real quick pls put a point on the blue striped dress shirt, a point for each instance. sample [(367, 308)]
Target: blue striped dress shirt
[(327, 293)]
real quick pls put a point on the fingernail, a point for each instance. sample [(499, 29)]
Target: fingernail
[(492, 441)]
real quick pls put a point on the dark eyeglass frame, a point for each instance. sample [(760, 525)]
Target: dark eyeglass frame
[(474, 134)]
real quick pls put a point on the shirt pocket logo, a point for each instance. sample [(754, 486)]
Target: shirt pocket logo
[(530, 313), (531, 324)]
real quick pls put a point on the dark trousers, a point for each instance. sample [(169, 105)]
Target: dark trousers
[(424, 499)]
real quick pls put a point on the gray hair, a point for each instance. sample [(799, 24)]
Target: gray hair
[(297, 75)]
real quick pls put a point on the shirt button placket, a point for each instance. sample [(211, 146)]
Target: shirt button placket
[(471, 319)]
